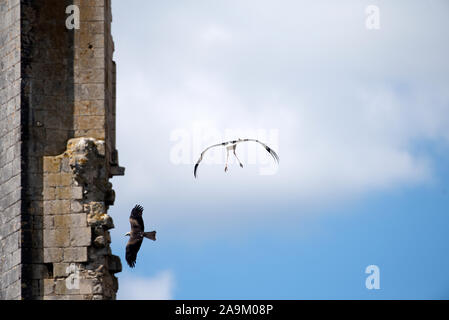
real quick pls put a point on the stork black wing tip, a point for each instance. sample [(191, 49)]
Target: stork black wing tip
[(194, 170), (273, 154)]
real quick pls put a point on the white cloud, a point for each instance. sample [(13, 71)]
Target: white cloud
[(349, 104), (160, 287), (214, 35)]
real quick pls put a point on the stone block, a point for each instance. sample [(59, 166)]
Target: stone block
[(89, 91), (12, 242), (56, 238), (52, 164), (52, 180), (89, 122), (93, 75), (74, 220), (55, 207), (76, 206), (62, 221), (16, 258), (77, 254), (13, 291), (49, 193), (63, 193), (49, 286), (52, 255), (11, 276), (87, 286), (61, 288), (60, 270), (77, 193), (92, 14), (66, 179), (65, 166), (80, 237), (49, 222)]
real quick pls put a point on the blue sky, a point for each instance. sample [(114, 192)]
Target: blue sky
[(360, 119)]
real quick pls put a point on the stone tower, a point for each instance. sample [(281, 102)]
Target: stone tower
[(57, 150)]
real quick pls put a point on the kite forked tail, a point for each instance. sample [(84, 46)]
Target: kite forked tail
[(150, 235)]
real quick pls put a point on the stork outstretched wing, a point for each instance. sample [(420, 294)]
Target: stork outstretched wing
[(202, 154), (270, 151)]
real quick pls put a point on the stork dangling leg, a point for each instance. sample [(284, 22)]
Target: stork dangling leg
[(241, 165), (227, 158)]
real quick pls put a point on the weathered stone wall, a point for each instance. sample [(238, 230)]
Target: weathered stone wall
[(47, 103), (10, 144), (77, 194), (95, 76), (58, 84)]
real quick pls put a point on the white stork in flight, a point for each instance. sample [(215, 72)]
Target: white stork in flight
[(231, 146)]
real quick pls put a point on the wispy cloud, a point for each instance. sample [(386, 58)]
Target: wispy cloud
[(159, 287), (349, 104)]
